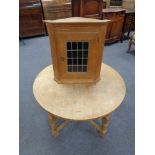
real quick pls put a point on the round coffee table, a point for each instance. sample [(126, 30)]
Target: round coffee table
[(79, 102)]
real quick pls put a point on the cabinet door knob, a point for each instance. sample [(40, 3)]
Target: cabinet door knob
[(62, 59)]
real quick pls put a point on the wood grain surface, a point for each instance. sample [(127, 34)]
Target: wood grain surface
[(80, 102)]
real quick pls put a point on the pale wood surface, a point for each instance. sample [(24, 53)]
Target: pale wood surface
[(80, 101)]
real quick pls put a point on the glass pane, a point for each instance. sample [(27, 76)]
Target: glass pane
[(69, 55), (85, 54), (74, 68), (84, 61), (85, 45), (79, 68), (75, 61), (69, 45), (79, 45), (79, 61), (74, 45), (79, 54), (84, 68), (69, 61), (75, 54), (115, 2), (69, 68)]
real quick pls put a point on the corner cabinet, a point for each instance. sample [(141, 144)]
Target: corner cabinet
[(77, 48)]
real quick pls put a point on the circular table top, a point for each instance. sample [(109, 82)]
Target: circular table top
[(80, 101)]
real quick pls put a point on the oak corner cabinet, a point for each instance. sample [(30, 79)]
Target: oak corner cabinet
[(77, 48), (88, 8), (115, 26)]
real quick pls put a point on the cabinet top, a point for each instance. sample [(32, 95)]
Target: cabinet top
[(74, 20)]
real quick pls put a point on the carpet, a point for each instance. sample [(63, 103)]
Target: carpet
[(76, 138)]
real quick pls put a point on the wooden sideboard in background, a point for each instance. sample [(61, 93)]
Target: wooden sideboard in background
[(33, 12), (115, 26), (30, 18)]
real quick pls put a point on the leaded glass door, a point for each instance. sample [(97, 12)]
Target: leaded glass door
[(78, 54)]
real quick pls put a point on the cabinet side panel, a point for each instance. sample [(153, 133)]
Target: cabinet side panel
[(51, 33), (101, 42)]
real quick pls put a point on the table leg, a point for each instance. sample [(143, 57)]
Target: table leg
[(102, 129), (105, 122), (52, 120)]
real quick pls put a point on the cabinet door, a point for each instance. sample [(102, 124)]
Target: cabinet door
[(77, 53), (117, 25)]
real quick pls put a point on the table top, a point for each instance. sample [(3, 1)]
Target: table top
[(80, 101)]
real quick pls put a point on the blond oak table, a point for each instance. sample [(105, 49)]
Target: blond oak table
[(79, 102)]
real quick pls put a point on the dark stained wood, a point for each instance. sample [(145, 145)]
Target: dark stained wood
[(115, 26), (30, 18), (88, 8), (129, 23), (104, 5), (76, 8)]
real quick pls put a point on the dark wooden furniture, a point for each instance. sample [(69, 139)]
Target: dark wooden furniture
[(56, 9), (77, 48), (129, 23), (88, 8), (115, 26), (30, 18), (131, 41)]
